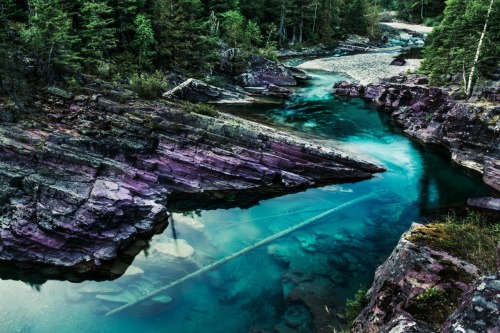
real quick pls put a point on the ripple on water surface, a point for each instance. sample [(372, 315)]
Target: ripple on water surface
[(299, 281)]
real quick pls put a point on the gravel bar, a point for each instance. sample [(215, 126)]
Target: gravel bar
[(364, 68)]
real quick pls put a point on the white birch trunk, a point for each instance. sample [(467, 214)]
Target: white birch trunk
[(470, 86)]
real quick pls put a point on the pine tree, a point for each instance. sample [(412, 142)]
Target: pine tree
[(355, 19), (98, 37), (50, 38), (144, 39), (183, 35)]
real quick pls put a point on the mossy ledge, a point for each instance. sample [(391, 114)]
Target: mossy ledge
[(441, 277)]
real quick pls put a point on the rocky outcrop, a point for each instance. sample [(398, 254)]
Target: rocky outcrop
[(399, 299), (263, 72), (470, 130), (479, 309), (196, 91), (82, 177), (485, 204)]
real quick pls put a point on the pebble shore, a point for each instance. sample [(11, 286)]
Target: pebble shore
[(364, 68)]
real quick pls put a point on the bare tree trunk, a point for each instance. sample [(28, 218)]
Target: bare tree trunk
[(282, 29), (315, 16), (301, 28), (470, 86)]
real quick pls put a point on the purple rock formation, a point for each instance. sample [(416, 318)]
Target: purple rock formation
[(469, 130), (88, 176), (479, 309), (485, 203), (407, 273)]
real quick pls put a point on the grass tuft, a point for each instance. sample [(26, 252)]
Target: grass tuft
[(472, 238)]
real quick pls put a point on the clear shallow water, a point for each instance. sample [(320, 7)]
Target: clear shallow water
[(320, 265)]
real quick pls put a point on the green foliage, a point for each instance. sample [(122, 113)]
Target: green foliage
[(472, 238), (432, 21), (144, 39), (201, 108), (356, 305), (238, 32), (49, 37), (98, 37), (185, 42), (430, 298), (452, 45), (216, 80), (416, 11), (149, 85)]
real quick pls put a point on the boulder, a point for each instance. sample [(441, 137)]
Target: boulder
[(270, 72), (59, 92), (249, 80), (488, 204), (195, 91), (398, 62)]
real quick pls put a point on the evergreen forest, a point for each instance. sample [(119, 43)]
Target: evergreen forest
[(117, 38)]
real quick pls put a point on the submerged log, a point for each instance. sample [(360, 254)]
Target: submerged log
[(242, 252)]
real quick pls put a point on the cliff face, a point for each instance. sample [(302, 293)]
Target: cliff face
[(470, 130), (401, 298), (80, 178)]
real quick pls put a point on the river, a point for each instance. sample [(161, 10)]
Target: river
[(299, 280)]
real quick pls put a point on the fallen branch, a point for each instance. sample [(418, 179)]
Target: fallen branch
[(242, 252)]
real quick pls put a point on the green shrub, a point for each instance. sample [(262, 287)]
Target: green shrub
[(430, 298), (355, 306), (201, 108), (149, 85), (216, 80), (431, 21)]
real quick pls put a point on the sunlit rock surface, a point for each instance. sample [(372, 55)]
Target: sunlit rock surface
[(82, 177)]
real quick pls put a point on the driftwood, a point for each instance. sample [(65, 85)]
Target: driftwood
[(242, 252)]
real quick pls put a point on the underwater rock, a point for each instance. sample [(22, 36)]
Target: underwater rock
[(164, 299), (317, 295), (107, 287), (125, 296), (133, 270), (178, 248), (279, 252), (307, 240), (297, 317)]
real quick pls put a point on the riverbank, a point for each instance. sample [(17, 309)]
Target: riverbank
[(364, 68)]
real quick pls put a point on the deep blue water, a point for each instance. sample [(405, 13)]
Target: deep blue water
[(329, 259)]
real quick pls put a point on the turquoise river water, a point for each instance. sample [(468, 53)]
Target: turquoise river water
[(299, 280)]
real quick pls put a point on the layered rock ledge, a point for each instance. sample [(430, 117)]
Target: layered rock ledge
[(82, 177), (397, 301), (431, 115)]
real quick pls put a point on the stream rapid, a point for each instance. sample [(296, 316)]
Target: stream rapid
[(294, 280)]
